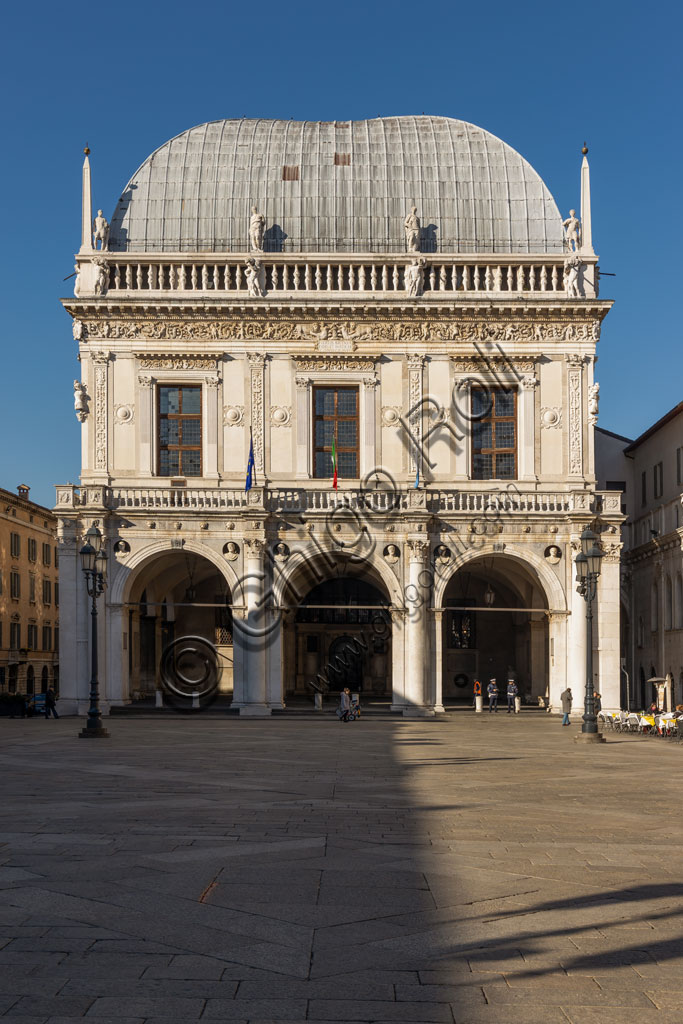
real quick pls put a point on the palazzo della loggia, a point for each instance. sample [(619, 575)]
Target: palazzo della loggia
[(338, 402)]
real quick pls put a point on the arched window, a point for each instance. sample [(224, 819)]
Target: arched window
[(678, 603), (668, 603), (30, 680), (43, 680), (654, 608)]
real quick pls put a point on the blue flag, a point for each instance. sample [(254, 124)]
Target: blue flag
[(417, 474), (251, 467)]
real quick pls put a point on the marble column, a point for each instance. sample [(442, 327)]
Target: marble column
[(254, 630), (557, 627), (116, 671), (398, 660), (416, 699), (607, 611), (74, 644), (437, 659)]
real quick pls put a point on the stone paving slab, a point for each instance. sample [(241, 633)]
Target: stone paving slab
[(467, 872)]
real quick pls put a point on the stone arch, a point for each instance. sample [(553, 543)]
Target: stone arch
[(547, 580), (127, 573), (315, 562)]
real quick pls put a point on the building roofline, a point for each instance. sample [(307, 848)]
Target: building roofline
[(6, 495), (671, 414), (619, 437)]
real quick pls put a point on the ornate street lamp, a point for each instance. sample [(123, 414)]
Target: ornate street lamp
[(587, 573), (94, 565)]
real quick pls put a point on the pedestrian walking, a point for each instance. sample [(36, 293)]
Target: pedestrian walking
[(512, 691), (492, 690), (344, 705), (597, 702), (50, 703), (566, 699)]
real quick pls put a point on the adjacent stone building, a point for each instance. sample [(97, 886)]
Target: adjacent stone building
[(649, 471), (29, 595), (396, 304)]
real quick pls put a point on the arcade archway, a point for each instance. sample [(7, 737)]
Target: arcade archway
[(172, 595), (342, 637), (495, 625)]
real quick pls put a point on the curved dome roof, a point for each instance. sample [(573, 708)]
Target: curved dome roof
[(343, 186)]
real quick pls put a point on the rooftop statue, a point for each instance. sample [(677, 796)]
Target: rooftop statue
[(101, 231), (571, 277), (102, 279), (254, 278), (415, 278), (412, 229), (572, 231), (257, 226)]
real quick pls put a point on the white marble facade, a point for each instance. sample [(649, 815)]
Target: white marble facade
[(474, 576)]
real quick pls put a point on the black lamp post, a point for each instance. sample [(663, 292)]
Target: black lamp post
[(94, 566), (587, 573)]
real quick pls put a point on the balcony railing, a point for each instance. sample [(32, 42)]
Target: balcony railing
[(288, 276), (512, 500)]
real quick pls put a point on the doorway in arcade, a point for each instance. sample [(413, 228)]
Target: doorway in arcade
[(495, 626), (177, 594), (342, 637)]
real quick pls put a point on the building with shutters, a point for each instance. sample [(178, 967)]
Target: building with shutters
[(29, 595)]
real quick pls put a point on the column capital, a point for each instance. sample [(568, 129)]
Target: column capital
[(418, 550)]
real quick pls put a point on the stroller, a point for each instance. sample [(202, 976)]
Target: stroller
[(351, 715)]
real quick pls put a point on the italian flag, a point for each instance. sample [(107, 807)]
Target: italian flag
[(334, 463)]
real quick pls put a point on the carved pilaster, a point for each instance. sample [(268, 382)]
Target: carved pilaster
[(415, 366), (575, 419), (257, 366), (100, 362)]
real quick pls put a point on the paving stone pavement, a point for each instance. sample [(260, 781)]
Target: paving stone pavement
[(478, 870)]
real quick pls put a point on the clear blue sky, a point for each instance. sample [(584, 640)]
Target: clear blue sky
[(542, 76)]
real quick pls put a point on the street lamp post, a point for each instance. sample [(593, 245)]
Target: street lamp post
[(94, 566), (587, 573)]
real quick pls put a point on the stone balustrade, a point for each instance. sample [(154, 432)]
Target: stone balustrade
[(310, 500), (290, 277)]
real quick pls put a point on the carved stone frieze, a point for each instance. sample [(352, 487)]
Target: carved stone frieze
[(327, 364), (341, 335), (189, 362), (494, 363)]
